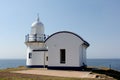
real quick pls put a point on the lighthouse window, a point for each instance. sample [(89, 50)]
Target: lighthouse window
[(47, 58), (62, 56), (30, 55)]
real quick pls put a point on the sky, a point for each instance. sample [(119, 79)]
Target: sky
[(96, 21)]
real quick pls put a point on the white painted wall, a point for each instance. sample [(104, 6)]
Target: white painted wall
[(84, 54), (80, 55), (38, 57), (35, 45), (72, 45)]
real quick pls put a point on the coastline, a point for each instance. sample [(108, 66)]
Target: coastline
[(101, 73)]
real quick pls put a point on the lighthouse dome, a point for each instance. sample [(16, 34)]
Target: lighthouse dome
[(37, 27)]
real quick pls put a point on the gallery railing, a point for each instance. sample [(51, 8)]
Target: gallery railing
[(35, 38)]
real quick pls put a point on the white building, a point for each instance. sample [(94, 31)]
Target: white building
[(61, 50), (36, 50)]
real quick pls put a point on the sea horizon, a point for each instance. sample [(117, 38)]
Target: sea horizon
[(113, 63)]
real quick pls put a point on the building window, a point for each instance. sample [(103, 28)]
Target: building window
[(62, 56), (47, 58), (30, 55)]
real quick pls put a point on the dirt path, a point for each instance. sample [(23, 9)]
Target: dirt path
[(59, 73)]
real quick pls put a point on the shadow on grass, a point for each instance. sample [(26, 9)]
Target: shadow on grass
[(109, 72)]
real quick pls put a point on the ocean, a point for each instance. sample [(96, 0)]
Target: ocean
[(113, 63), (109, 63), (11, 63)]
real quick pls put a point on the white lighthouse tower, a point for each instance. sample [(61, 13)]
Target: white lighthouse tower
[(36, 50)]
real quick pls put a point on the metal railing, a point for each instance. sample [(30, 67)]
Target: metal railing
[(35, 38)]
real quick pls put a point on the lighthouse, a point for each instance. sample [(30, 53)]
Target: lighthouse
[(60, 50), (37, 55)]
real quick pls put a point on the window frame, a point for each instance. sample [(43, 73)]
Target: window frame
[(30, 55), (62, 56), (46, 58)]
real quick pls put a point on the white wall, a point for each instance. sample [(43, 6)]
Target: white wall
[(84, 54), (38, 57), (35, 45), (80, 55), (66, 41)]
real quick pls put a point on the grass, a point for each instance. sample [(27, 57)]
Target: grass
[(106, 71), (113, 73), (5, 74)]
